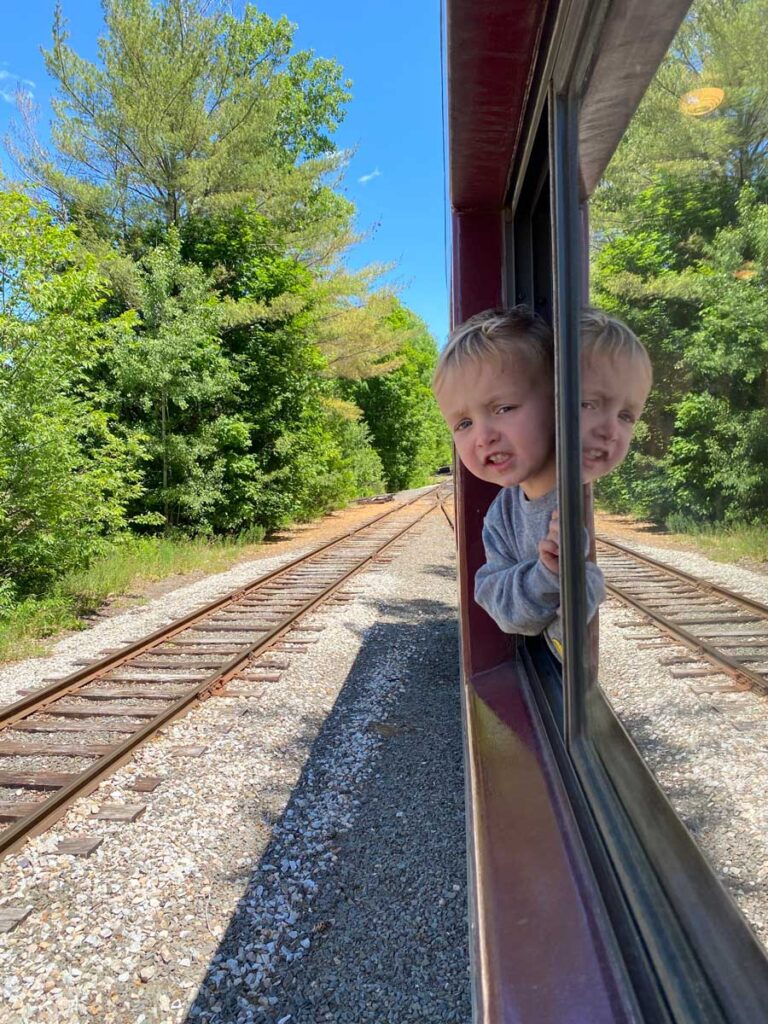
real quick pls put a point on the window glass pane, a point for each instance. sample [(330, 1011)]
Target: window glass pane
[(679, 254)]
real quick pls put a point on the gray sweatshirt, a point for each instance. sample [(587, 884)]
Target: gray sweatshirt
[(514, 586)]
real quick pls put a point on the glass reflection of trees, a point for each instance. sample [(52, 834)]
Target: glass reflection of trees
[(679, 250)]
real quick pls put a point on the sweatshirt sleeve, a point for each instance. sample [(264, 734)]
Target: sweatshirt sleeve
[(595, 584), (520, 596)]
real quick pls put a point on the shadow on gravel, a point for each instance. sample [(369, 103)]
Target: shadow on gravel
[(356, 913), (446, 571), (726, 839)]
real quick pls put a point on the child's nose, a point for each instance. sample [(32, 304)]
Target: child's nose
[(607, 428), (488, 433)]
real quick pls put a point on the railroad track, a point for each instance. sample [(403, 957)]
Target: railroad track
[(726, 632), (449, 515), (96, 717)]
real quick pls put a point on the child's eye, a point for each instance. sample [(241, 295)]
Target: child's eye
[(628, 417), (463, 424), (507, 408), (587, 404)]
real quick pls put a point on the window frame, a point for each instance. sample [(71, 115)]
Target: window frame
[(689, 952)]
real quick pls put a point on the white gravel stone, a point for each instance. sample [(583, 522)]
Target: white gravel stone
[(147, 928), (713, 772)]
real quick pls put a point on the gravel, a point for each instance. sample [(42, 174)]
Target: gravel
[(709, 751), (308, 866)]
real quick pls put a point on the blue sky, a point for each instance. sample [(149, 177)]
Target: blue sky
[(392, 54)]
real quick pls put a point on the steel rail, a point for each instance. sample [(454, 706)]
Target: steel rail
[(55, 805), (713, 588), (444, 510), (11, 713), (705, 650)]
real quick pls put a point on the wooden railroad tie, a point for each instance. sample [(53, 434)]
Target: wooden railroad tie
[(96, 710), (12, 810), (119, 812), (9, 749), (52, 725), (79, 846)]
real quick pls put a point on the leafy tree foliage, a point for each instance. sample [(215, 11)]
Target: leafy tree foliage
[(680, 253), (170, 379), (65, 474), (399, 408), (187, 105), (301, 437), (184, 344), (192, 113)]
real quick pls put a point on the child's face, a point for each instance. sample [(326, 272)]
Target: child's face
[(613, 393), (502, 420)]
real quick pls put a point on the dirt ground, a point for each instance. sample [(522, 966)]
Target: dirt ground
[(626, 527)]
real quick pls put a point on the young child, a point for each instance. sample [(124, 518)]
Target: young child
[(494, 385), (616, 377)]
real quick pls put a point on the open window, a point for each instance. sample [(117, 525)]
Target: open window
[(607, 904)]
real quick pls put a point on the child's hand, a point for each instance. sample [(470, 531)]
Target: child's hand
[(549, 548)]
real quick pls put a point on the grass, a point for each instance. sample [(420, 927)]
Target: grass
[(737, 542), (722, 542), (26, 629)]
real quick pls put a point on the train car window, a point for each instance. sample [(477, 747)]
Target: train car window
[(581, 803), (678, 255), (626, 448)]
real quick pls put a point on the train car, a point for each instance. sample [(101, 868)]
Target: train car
[(590, 901)]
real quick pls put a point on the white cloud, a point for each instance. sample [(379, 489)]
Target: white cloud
[(369, 177), (9, 95)]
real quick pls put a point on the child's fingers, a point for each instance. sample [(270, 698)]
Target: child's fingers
[(549, 553)]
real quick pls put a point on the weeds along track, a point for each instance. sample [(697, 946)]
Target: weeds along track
[(96, 717), (726, 632)]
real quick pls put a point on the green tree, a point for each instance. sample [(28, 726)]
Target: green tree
[(171, 381), (195, 159), (65, 474), (679, 252), (193, 115), (720, 45), (187, 106), (407, 429)]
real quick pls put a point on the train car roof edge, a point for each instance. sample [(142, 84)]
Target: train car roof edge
[(634, 39), (491, 54), (492, 51)]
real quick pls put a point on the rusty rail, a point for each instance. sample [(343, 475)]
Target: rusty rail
[(44, 701), (632, 590)]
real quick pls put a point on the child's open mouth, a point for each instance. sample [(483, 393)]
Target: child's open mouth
[(498, 459), (594, 455)]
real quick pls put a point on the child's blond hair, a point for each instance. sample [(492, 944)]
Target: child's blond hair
[(499, 334), (606, 335)]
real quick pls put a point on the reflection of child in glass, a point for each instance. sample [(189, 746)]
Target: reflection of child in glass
[(494, 386), (616, 376)]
